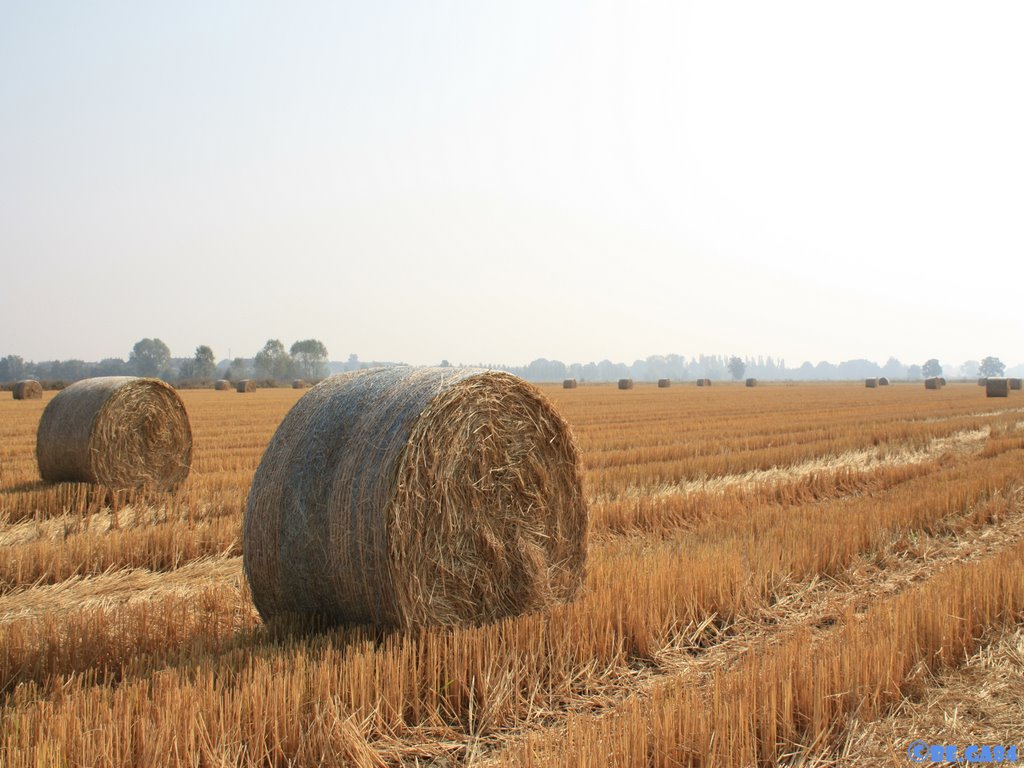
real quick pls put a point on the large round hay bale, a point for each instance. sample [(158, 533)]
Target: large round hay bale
[(569, 384), (1016, 383), (625, 383), (870, 383), (403, 496), (934, 382), (751, 382), (118, 431), (997, 387), (28, 389), (298, 383), (883, 381), (222, 385), (246, 385)]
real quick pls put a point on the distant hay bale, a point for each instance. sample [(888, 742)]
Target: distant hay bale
[(703, 382), (942, 381), (569, 384), (625, 383), (997, 387), (246, 385), (222, 385), (933, 382), (751, 382), (404, 497), (298, 384), (664, 383), (870, 383), (28, 389), (883, 381), (1016, 383), (981, 382), (118, 431)]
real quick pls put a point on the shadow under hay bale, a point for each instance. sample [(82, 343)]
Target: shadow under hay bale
[(997, 387), (664, 383), (625, 383), (246, 385), (402, 497), (222, 385), (28, 389), (569, 384), (118, 431)]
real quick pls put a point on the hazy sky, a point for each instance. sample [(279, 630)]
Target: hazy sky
[(495, 182)]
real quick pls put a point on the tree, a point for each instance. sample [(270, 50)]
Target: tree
[(238, 370), (310, 357), (203, 364), (149, 357), (12, 368), (991, 366), (273, 362), (931, 369), (737, 367)]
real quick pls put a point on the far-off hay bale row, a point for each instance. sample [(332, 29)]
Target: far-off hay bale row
[(246, 385), (28, 389), (402, 497), (569, 384), (118, 431), (222, 385), (997, 387), (664, 383), (625, 383)]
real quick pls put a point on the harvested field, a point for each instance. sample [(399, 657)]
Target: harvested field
[(807, 574)]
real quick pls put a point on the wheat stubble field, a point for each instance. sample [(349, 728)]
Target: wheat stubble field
[(779, 575)]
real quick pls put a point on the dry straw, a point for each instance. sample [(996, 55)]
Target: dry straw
[(27, 390), (751, 382), (625, 383), (222, 385), (997, 387), (664, 383), (118, 431), (870, 383), (403, 497), (246, 385), (569, 384), (298, 384)]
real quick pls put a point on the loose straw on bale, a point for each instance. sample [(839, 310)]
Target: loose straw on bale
[(403, 497), (27, 390), (246, 385), (997, 387), (625, 383), (118, 431), (569, 384), (222, 385)]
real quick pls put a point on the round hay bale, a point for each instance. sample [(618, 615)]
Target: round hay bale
[(997, 387), (569, 384), (404, 497), (934, 382), (870, 383), (883, 381), (118, 431), (942, 381), (222, 385), (751, 382), (28, 389), (298, 384), (664, 383), (1016, 383), (246, 385), (625, 383)]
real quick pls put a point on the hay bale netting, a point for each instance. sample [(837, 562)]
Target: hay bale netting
[(569, 384), (664, 383), (118, 431), (870, 383), (404, 496), (625, 383), (298, 384), (27, 390), (222, 385), (997, 387), (246, 385), (751, 382), (1016, 383), (883, 381)]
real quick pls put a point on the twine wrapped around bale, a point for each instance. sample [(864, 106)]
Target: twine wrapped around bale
[(664, 383), (569, 384), (118, 431), (28, 389), (298, 384), (246, 385), (870, 383), (222, 385), (625, 383), (403, 497), (997, 387)]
